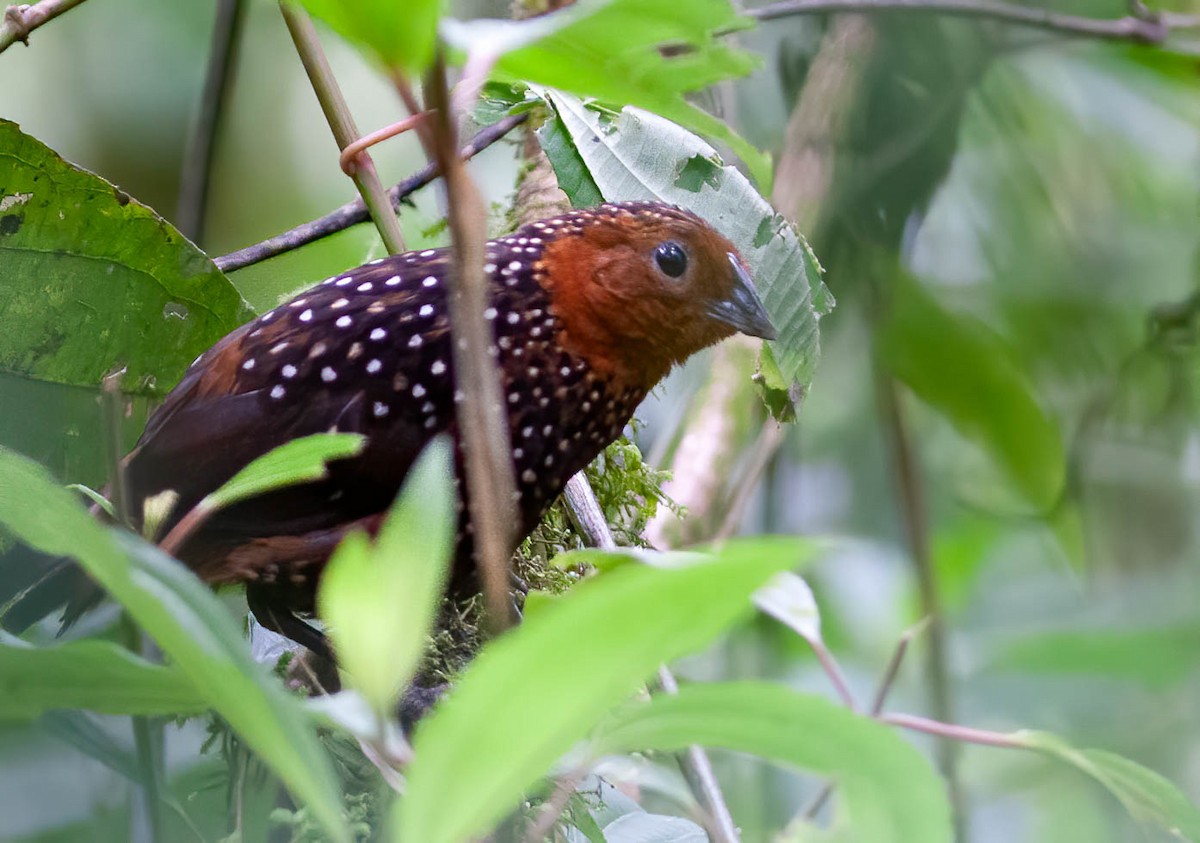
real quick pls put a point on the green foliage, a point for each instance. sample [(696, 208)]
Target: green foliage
[(380, 600), (97, 676), (94, 280), (639, 155), (625, 52), (890, 793), (184, 618), (959, 367), (1149, 798), (299, 461), (401, 36), (552, 678)]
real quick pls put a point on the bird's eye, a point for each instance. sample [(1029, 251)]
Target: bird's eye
[(671, 258)]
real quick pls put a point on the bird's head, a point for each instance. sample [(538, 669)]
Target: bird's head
[(642, 286)]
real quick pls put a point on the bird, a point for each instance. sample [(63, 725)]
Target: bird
[(588, 311)]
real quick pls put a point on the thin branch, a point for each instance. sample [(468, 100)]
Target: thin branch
[(769, 439), (201, 148), (960, 734), (20, 20), (910, 501), (345, 132), (1144, 30), (355, 212), (480, 411), (588, 517), (893, 668)]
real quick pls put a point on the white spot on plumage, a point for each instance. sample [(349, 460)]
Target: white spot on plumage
[(339, 304), (278, 347), (378, 334), (317, 350), (418, 390), (343, 281), (249, 364), (437, 367), (513, 318), (374, 366), (277, 391), (490, 313), (380, 409), (415, 342), (288, 371), (356, 350), (430, 281), (428, 253), (426, 310), (365, 287), (392, 282), (328, 374), (528, 476), (306, 316), (344, 321)]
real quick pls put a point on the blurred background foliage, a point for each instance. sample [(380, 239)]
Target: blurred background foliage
[(1005, 418)]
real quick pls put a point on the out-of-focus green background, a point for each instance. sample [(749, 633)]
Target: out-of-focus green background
[(1042, 194)]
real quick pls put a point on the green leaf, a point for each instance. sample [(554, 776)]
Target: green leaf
[(379, 601), (1157, 658), (94, 675), (400, 35), (639, 155), (187, 621), (94, 280), (81, 731), (887, 790), (642, 53), (961, 369), (298, 461), (1148, 797), (573, 176), (536, 690)]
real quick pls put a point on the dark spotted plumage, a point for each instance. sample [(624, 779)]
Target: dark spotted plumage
[(585, 322)]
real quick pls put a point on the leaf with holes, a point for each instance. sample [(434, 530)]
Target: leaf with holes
[(639, 155), (94, 280), (642, 53)]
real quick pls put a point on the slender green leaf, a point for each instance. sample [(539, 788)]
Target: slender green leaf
[(98, 676), (379, 601), (80, 730), (888, 792), (642, 53), (537, 690), (1148, 797), (573, 176), (186, 620), (960, 368), (94, 280), (638, 155), (400, 35), (297, 461)]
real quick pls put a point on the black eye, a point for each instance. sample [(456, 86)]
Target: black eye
[(671, 258)]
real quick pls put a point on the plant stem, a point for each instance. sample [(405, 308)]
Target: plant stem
[(486, 444), (1144, 30), (201, 148), (20, 20), (910, 500), (950, 732), (589, 519), (355, 211), (345, 132)]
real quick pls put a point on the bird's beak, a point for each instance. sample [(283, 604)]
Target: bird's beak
[(743, 310)]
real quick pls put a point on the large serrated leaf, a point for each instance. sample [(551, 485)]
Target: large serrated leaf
[(91, 279), (639, 155)]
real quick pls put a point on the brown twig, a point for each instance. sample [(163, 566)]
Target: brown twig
[(20, 20), (1144, 30), (345, 132), (201, 147), (355, 212), (486, 445)]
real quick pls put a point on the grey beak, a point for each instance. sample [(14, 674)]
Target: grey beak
[(743, 310)]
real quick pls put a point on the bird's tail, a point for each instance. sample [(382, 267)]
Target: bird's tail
[(33, 585)]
